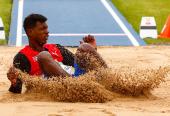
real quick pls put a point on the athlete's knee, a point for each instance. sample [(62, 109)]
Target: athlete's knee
[(44, 56), (85, 47)]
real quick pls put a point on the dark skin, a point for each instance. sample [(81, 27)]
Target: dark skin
[(38, 36), (49, 66)]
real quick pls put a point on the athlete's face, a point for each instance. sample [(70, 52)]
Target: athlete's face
[(39, 33)]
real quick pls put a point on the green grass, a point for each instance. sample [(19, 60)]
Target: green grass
[(161, 41), (5, 14), (2, 42), (133, 10)]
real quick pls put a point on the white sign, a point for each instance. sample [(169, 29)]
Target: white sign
[(148, 28), (2, 32)]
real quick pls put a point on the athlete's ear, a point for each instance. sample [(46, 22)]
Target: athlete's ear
[(29, 31)]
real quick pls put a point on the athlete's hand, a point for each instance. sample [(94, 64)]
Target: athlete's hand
[(12, 75)]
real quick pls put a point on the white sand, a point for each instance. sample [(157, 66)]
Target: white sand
[(149, 56)]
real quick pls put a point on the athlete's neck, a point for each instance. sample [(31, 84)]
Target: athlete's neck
[(36, 46)]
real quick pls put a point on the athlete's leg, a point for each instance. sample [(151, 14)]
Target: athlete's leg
[(49, 66)]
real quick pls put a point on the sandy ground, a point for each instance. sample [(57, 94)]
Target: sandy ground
[(148, 56)]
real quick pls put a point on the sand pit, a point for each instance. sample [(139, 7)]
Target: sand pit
[(97, 86), (132, 59)]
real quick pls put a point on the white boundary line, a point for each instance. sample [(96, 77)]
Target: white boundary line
[(19, 23), (84, 34), (118, 20), (2, 32)]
